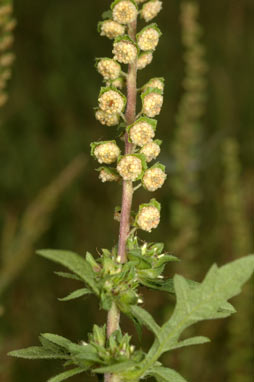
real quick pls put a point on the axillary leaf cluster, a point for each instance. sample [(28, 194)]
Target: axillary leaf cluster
[(116, 275)]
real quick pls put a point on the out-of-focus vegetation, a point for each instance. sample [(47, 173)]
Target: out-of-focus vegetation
[(49, 120)]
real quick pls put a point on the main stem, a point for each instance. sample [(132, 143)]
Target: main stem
[(127, 193)]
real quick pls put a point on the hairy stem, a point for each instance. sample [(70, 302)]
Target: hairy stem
[(127, 192)]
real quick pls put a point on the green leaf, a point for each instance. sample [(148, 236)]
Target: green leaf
[(67, 374), (74, 263), (68, 276), (205, 300), (202, 302), (106, 15), (37, 352), (117, 367), (146, 319), (163, 374), (191, 341), (76, 294), (57, 340)]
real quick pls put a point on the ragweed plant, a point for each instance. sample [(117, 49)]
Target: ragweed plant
[(116, 275)]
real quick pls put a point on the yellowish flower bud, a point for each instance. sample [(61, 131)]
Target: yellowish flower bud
[(109, 69), (157, 83), (130, 167), (107, 152), (151, 150), (125, 51), (117, 83), (111, 102), (144, 59), (107, 119), (141, 133), (151, 10), (154, 179), (148, 39), (111, 29), (124, 12), (148, 218), (152, 104), (106, 176)]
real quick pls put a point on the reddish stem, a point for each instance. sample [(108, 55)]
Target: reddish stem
[(127, 194)]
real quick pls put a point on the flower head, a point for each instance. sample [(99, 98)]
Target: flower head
[(107, 176), (107, 119), (151, 10), (148, 38), (154, 178), (151, 150), (156, 83), (144, 59), (117, 83), (148, 217), (152, 103), (111, 29), (105, 152), (124, 11), (124, 51), (130, 167), (141, 132), (109, 69), (111, 101)]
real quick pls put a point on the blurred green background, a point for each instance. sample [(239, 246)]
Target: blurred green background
[(48, 121)]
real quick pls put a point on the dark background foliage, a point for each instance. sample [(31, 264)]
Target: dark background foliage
[(49, 120)]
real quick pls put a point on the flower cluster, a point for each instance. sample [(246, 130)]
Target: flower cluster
[(143, 148)]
